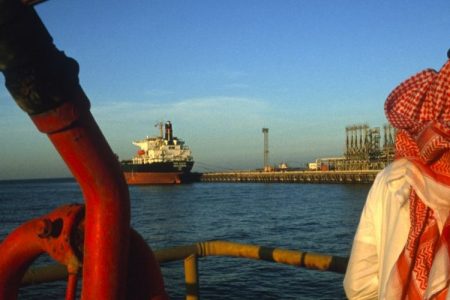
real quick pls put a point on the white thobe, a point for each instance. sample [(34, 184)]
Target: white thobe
[(384, 225)]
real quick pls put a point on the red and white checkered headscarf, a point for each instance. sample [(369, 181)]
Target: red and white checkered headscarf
[(420, 109)]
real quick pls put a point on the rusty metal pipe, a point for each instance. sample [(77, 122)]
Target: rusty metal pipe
[(71, 291), (18, 251), (93, 164), (44, 83), (51, 233), (144, 280), (60, 234)]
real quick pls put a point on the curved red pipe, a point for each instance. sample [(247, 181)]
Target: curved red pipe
[(18, 251), (51, 233), (75, 134), (145, 280), (58, 233), (44, 83)]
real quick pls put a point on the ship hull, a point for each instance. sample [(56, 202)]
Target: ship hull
[(157, 173)]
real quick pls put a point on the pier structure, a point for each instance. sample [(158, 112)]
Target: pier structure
[(352, 176), (367, 151)]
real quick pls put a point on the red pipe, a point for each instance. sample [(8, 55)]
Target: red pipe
[(145, 280), (44, 83), (71, 291), (60, 234), (51, 233), (75, 134), (21, 251)]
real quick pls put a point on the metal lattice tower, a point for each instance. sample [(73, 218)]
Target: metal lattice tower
[(266, 147), (363, 148)]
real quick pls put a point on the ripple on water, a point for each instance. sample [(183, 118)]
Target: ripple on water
[(318, 218)]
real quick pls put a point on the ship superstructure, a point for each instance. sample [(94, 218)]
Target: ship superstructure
[(161, 159)]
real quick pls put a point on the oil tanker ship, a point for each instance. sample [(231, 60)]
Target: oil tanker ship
[(163, 159)]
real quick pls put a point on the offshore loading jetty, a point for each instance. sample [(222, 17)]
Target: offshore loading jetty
[(364, 157), (362, 176)]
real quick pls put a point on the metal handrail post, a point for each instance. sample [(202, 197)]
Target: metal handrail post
[(191, 277)]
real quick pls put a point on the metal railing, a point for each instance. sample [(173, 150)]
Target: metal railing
[(190, 254)]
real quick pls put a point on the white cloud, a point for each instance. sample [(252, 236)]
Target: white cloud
[(211, 110)]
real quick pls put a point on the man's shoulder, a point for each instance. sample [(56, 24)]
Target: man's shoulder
[(394, 171)]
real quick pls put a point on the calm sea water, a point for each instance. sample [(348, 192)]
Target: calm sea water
[(307, 217)]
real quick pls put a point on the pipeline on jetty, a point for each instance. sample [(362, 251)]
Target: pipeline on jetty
[(190, 254), (350, 176)]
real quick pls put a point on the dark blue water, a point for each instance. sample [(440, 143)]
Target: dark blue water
[(306, 217)]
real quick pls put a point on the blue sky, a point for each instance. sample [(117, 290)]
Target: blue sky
[(222, 70)]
